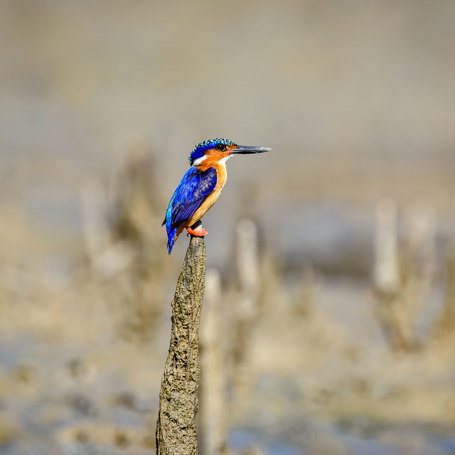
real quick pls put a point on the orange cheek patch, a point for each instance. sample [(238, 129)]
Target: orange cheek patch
[(213, 159)]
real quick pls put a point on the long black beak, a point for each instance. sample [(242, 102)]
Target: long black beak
[(246, 149)]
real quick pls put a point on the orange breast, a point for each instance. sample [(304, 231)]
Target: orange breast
[(214, 195)]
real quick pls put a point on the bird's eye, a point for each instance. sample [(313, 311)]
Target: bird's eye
[(220, 147)]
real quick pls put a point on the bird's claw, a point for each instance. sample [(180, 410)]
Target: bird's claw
[(198, 233)]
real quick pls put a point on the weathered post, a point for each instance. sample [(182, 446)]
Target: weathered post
[(176, 425)]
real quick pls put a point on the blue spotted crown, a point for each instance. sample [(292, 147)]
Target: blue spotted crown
[(201, 148)]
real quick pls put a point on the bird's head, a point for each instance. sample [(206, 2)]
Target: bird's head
[(220, 150)]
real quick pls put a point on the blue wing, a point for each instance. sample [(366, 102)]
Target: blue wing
[(192, 191)]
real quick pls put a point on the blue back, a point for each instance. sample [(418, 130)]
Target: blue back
[(192, 191)]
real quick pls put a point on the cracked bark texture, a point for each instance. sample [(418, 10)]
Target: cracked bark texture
[(176, 426)]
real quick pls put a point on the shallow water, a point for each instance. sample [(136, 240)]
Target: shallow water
[(411, 441)]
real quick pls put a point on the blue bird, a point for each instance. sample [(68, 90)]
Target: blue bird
[(201, 186)]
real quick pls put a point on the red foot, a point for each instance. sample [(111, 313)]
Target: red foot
[(201, 233)]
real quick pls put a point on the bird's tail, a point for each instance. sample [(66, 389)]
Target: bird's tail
[(171, 237)]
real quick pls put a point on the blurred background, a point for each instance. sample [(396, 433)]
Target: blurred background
[(329, 322)]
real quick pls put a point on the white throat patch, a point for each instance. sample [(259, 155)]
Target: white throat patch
[(223, 160)]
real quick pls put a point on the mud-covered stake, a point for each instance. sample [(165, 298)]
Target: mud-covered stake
[(176, 425)]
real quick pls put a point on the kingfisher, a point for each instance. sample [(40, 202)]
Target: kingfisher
[(201, 186)]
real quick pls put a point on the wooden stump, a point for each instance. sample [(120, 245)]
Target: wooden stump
[(176, 426)]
